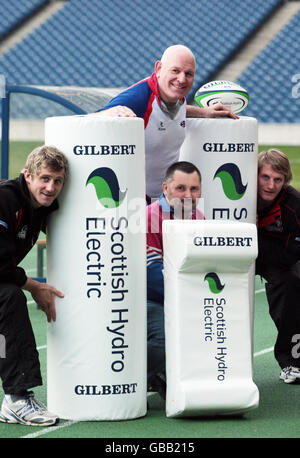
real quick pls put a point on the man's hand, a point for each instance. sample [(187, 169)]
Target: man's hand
[(118, 111), (44, 295), (214, 111)]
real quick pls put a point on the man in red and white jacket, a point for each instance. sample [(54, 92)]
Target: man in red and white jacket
[(161, 101), (181, 191)]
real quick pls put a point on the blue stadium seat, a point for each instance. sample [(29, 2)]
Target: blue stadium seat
[(114, 44), (274, 97), (16, 11)]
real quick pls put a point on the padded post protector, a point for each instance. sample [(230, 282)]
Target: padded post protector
[(225, 151), (207, 317), (97, 347)]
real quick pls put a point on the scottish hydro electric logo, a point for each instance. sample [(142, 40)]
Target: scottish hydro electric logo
[(107, 187), (214, 282), (231, 180), (215, 325)]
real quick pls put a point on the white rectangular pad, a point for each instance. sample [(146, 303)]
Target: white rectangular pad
[(207, 274)]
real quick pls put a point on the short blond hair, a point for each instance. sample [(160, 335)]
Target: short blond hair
[(278, 161), (47, 156)]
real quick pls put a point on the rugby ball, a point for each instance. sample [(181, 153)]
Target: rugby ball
[(230, 94)]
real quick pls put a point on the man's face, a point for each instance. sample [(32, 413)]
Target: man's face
[(175, 76), (269, 184), (45, 186), (183, 192)]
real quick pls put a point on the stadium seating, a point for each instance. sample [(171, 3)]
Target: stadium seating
[(273, 78), (13, 12), (114, 44)]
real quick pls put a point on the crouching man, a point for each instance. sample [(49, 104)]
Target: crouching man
[(278, 223), (181, 192), (25, 203)]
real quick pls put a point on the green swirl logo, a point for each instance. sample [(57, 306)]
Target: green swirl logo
[(107, 187), (214, 282), (231, 180)]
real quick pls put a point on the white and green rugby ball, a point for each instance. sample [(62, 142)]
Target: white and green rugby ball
[(230, 94)]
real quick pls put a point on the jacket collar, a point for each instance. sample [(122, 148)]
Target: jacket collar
[(165, 206), (154, 87)]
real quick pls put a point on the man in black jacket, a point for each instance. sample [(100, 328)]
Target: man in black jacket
[(25, 203), (278, 224)]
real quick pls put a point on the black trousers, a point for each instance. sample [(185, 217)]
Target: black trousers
[(283, 294), (20, 368)]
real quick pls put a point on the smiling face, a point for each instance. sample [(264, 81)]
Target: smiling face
[(44, 186), (175, 73), (269, 185), (182, 192)]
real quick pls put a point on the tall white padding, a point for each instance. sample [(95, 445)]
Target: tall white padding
[(207, 317), (225, 151), (96, 256)]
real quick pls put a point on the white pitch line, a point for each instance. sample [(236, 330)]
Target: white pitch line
[(72, 422), (262, 352), (260, 291), (48, 430), (266, 350)]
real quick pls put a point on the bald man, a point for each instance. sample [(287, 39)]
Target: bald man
[(160, 101)]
